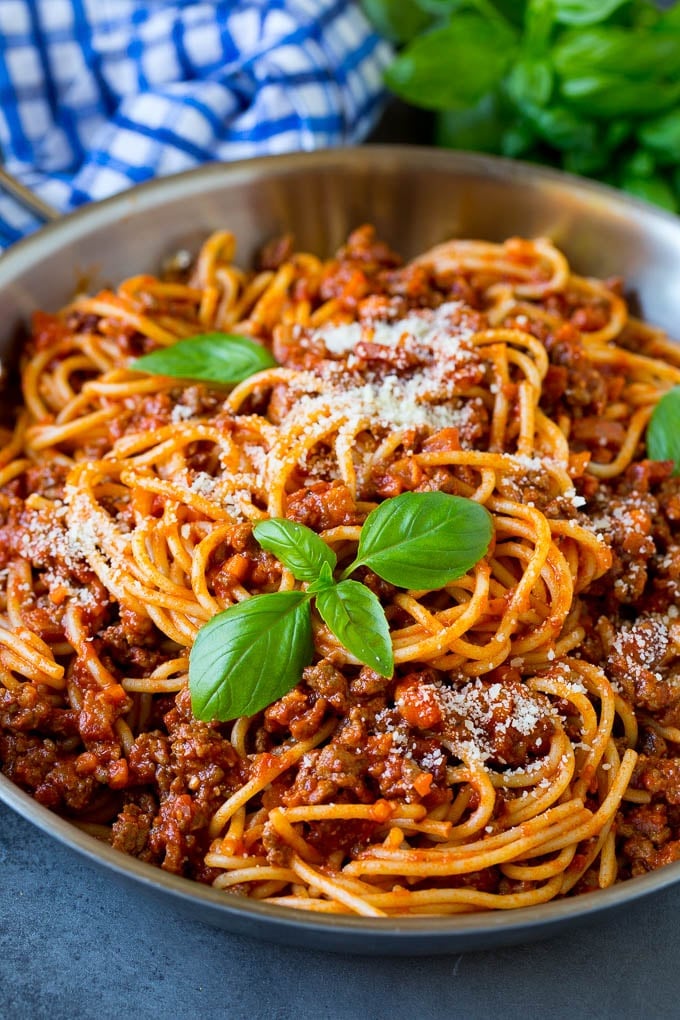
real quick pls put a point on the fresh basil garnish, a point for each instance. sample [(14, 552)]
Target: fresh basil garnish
[(324, 580), (249, 655), (663, 431), (223, 358), (254, 652), (357, 619), (296, 546), (423, 539)]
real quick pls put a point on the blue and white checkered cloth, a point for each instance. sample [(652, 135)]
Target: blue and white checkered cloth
[(98, 95)]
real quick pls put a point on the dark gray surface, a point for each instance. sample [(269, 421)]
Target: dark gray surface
[(76, 945)]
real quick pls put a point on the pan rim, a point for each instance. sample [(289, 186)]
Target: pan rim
[(382, 935)]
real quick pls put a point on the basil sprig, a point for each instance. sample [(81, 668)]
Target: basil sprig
[(223, 358), (254, 652), (407, 540), (663, 431)]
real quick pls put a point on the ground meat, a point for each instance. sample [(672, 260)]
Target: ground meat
[(658, 776), (178, 835), (299, 712), (27, 708), (131, 830), (27, 759), (635, 660), (149, 759), (323, 505), (647, 838), (398, 777), (578, 384), (368, 683), (65, 786), (194, 768), (99, 712), (324, 773), (329, 684)]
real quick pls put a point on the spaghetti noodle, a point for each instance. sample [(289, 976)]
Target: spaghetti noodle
[(528, 746)]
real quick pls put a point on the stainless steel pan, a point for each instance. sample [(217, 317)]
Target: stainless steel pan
[(415, 197)]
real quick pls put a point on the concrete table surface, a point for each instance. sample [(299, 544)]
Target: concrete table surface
[(77, 945)]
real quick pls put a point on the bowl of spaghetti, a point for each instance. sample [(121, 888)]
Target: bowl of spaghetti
[(370, 639)]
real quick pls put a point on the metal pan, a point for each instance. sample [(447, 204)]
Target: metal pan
[(415, 197)]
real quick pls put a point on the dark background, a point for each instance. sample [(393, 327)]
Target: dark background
[(75, 944)]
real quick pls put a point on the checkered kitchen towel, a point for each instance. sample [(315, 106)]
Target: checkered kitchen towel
[(97, 95)]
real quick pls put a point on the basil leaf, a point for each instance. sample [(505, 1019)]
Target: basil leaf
[(640, 163), (324, 580), (479, 127), (424, 539), (670, 18), (538, 26), (585, 12), (518, 139), (561, 128), (453, 67), (249, 655), (396, 20), (655, 189), (615, 50), (662, 136), (225, 358), (530, 83), (612, 95), (584, 162), (663, 431), (296, 546), (354, 614)]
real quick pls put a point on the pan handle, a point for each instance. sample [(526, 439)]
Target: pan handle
[(43, 210)]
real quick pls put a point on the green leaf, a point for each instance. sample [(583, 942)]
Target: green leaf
[(296, 546), (585, 162), (250, 655), (662, 135), (513, 10), (663, 431), (655, 189), (444, 8), (454, 67), (478, 127), (616, 133), (530, 83), (396, 20), (538, 27), (225, 358), (518, 139), (631, 53), (561, 127), (669, 19), (423, 539), (585, 12), (354, 614), (640, 163), (324, 581), (611, 95)]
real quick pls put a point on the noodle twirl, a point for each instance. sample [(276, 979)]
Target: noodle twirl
[(528, 744)]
